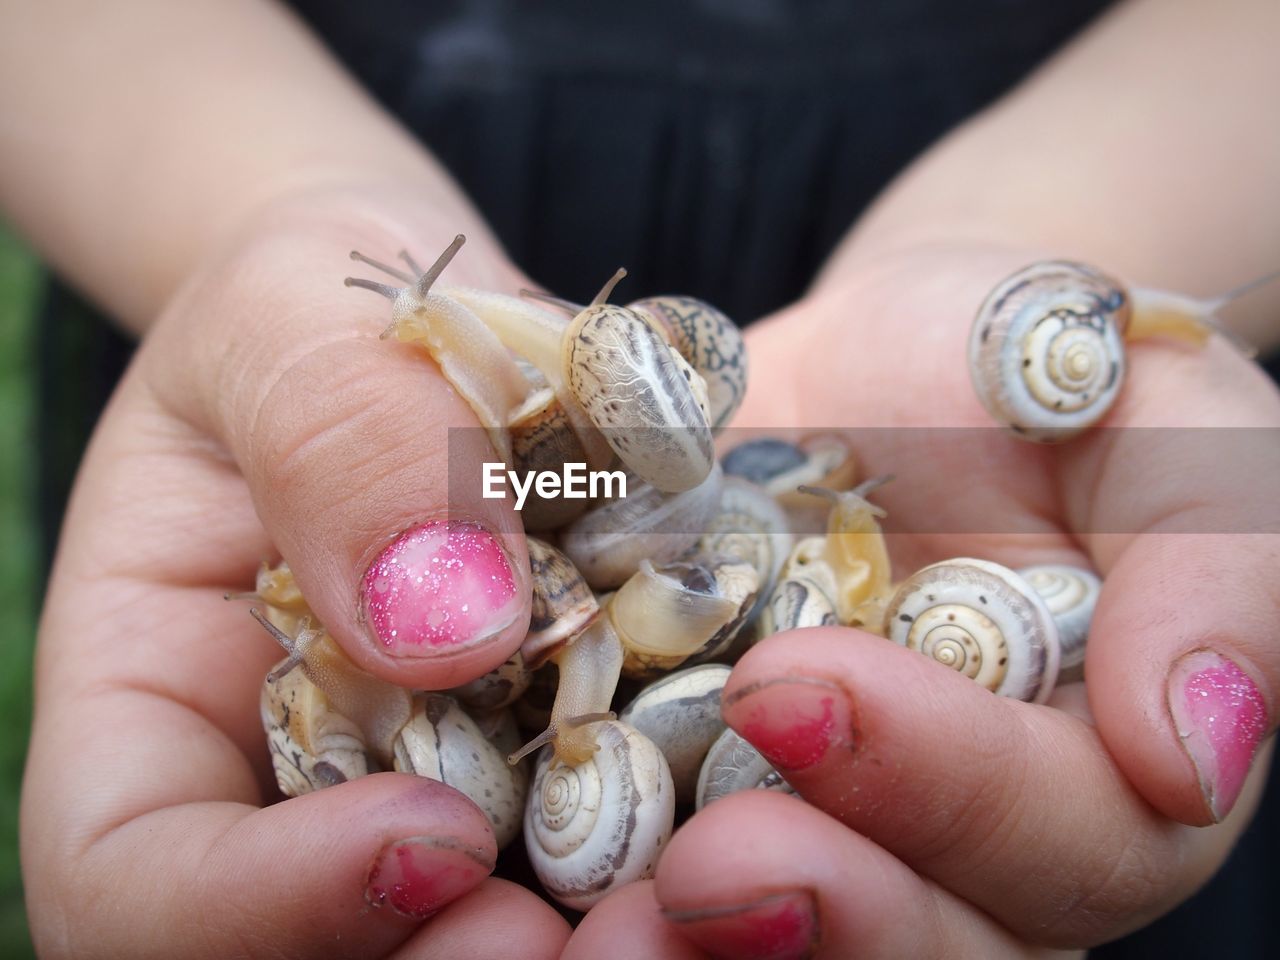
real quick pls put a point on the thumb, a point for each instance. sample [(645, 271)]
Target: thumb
[(346, 444)]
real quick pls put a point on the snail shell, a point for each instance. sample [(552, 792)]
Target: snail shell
[(680, 713), (443, 743), (500, 687), (312, 745), (562, 603), (641, 394), (1070, 593), (805, 595), (982, 620), (751, 528), (607, 543), (709, 341), (543, 438), (1046, 353), (594, 826), (733, 764)]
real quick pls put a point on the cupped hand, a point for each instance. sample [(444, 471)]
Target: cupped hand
[(942, 820), (262, 414)]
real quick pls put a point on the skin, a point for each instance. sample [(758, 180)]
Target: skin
[(214, 452)]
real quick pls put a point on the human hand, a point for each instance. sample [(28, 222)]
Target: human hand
[(943, 820), (263, 413)]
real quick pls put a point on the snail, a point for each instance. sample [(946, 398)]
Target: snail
[(470, 355), (1046, 352), (733, 764), (562, 603), (782, 468), (608, 363), (982, 620), (443, 743), (608, 542), (593, 826), (312, 745), (328, 721), (657, 620), (708, 340), (500, 687), (855, 552), (680, 713), (749, 527), (805, 594), (1070, 593), (666, 615)]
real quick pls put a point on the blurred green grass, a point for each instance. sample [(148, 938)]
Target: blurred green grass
[(19, 565)]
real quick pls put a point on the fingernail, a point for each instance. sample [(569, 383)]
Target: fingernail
[(419, 875), (1221, 718), (783, 926), (444, 584), (794, 722)]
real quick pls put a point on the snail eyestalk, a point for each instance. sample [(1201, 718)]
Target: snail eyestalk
[(607, 289), (433, 272), (400, 275), (295, 647)]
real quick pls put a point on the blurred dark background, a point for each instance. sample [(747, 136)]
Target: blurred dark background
[(722, 159)]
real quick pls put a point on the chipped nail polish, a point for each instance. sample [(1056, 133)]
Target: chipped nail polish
[(1221, 718), (783, 926), (792, 721), (419, 875), (444, 584)]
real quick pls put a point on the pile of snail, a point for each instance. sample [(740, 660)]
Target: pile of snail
[(640, 605)]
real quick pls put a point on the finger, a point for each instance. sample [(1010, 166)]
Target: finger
[(629, 925), (1015, 807), (346, 443), (486, 922), (1182, 665), (1183, 692), (737, 886), (348, 871)]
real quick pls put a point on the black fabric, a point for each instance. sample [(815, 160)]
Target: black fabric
[(717, 148)]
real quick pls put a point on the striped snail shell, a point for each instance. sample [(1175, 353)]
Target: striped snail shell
[(709, 341), (982, 620), (312, 745), (733, 764), (1070, 593), (443, 743), (594, 826), (561, 605), (643, 396), (680, 713), (1046, 353)]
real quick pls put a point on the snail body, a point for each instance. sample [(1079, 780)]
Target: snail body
[(982, 620), (593, 826)]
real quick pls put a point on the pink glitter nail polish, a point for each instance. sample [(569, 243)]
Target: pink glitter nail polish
[(1221, 718), (419, 875), (441, 585)]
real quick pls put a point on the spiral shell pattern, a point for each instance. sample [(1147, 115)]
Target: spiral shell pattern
[(594, 826), (1046, 353), (1070, 593), (981, 620)]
